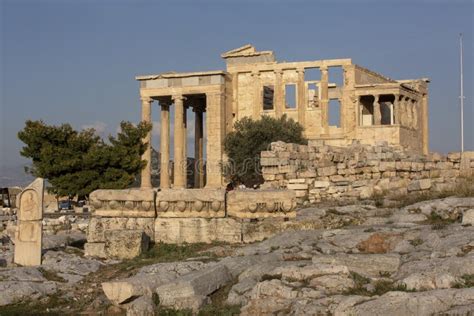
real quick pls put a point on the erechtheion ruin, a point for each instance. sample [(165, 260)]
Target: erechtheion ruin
[(371, 107)]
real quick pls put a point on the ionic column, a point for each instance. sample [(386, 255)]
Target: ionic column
[(198, 148), (179, 159), (360, 107), (279, 93), (324, 99), (377, 114), (414, 114), (396, 110), (185, 143), (301, 97), (424, 120), (146, 117), (215, 133), (165, 146), (257, 102)]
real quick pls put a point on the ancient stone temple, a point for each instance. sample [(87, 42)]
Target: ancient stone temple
[(371, 108)]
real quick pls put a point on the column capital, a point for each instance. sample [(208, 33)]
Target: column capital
[(323, 68), (146, 99), (376, 98), (300, 70), (178, 97)]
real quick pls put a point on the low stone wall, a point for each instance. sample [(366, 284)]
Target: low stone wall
[(317, 172), (124, 221)]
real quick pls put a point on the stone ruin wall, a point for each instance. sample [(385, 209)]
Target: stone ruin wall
[(318, 172), (124, 222)]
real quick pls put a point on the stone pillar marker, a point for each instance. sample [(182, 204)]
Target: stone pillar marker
[(29, 232), (165, 146), (146, 117), (324, 99), (198, 148), (179, 163), (377, 114)]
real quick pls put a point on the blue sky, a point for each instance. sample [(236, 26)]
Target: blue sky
[(75, 61)]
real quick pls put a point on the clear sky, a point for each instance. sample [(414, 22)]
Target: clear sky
[(75, 61)]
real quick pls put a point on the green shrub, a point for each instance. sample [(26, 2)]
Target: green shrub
[(249, 138)]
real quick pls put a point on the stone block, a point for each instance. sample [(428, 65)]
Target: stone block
[(95, 249), (125, 244), (422, 184), (297, 186), (197, 230), (468, 217), (190, 291), (292, 181), (321, 184), (327, 171), (124, 203), (181, 203), (261, 203), (98, 226), (403, 165)]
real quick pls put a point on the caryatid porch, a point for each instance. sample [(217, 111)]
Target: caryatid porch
[(204, 93)]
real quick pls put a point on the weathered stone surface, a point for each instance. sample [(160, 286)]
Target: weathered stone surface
[(95, 249), (124, 203), (23, 283), (370, 265), (98, 226), (125, 244), (261, 203), (190, 291), (468, 217), (193, 203), (147, 280), (422, 303), (198, 230)]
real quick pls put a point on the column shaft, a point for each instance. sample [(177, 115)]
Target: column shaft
[(424, 113), (198, 149), (257, 97), (165, 147), (179, 164), (377, 114), (146, 117), (215, 133), (301, 98), (324, 100), (279, 94)]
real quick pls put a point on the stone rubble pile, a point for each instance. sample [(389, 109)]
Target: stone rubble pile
[(319, 172)]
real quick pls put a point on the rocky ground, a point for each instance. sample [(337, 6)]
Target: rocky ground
[(341, 260)]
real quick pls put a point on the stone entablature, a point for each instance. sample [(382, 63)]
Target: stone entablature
[(181, 203), (124, 203), (372, 107), (320, 172), (261, 203)]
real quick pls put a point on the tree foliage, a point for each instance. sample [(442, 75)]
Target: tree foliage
[(78, 162), (249, 138)]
